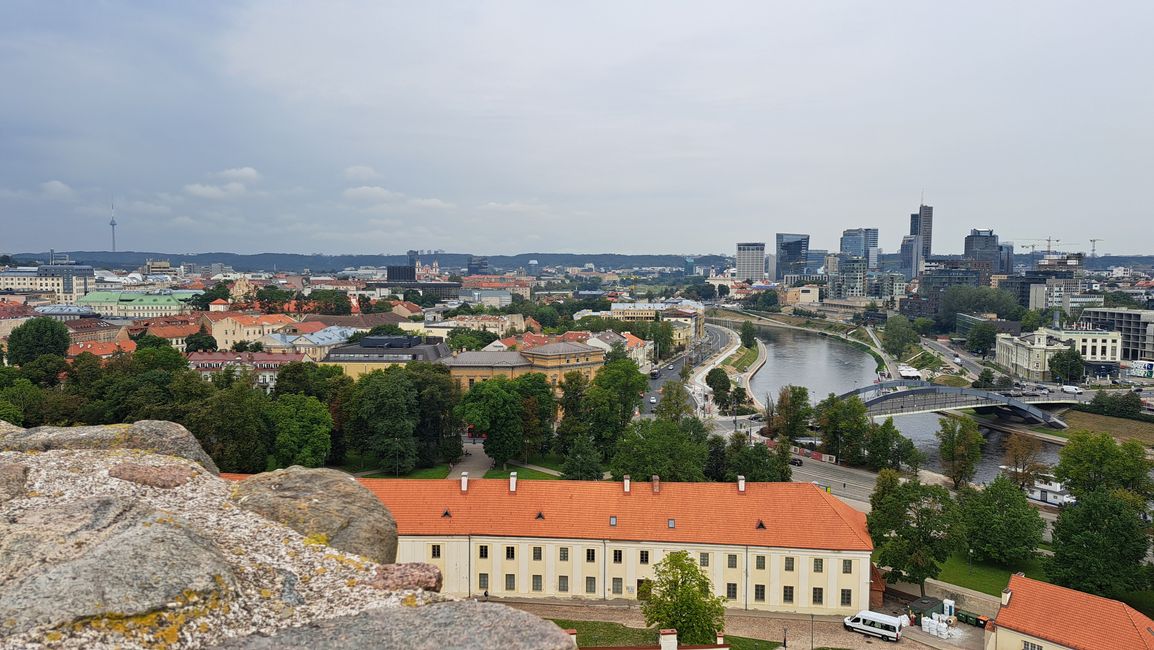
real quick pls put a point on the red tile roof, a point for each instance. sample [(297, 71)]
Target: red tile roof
[(174, 331), (100, 349), (219, 301), (1072, 618)]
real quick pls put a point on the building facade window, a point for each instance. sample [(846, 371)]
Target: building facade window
[(703, 559), (563, 584), (435, 552), (617, 556), (787, 594), (731, 561), (590, 585), (618, 586), (759, 563), (846, 597), (590, 555), (483, 581), (759, 593), (818, 565), (644, 557), (818, 596), (483, 551), (789, 564), (1030, 645), (510, 552), (510, 582), (537, 583), (731, 590), (847, 566), (563, 554), (536, 553)]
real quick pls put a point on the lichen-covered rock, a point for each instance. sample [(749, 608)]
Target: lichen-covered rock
[(13, 476), (168, 438), (409, 575), (325, 505), (101, 557), (466, 624), (8, 427), (164, 476)]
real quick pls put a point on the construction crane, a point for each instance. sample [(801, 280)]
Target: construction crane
[(1094, 247), (1049, 247)]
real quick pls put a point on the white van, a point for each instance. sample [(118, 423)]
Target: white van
[(874, 624), (1073, 390)]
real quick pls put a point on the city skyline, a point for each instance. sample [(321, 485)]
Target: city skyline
[(513, 127)]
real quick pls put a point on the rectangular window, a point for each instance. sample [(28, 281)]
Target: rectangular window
[(818, 595), (703, 559), (510, 582), (563, 584), (731, 561), (818, 565), (789, 564), (510, 552), (846, 597), (731, 590), (759, 593), (435, 551), (645, 557), (847, 566), (759, 562), (618, 586), (537, 586), (483, 581), (483, 551), (787, 594), (590, 585), (590, 555), (536, 553), (1030, 645), (612, 520), (564, 554), (617, 556)]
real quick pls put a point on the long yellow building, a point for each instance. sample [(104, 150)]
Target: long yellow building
[(782, 547)]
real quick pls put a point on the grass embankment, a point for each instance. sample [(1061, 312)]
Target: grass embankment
[(523, 473), (987, 578), (952, 380), (592, 634), (1118, 427), (923, 359), (742, 359), (436, 471)]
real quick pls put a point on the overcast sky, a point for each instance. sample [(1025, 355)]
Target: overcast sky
[(374, 127)]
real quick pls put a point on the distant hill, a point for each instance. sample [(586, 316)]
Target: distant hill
[(326, 263)]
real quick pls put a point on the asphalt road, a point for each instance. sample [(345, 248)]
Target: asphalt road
[(709, 344)]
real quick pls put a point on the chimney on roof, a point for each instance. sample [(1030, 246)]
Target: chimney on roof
[(741, 484), (656, 481), (464, 481), (668, 640), (720, 638), (627, 482), (512, 481), (1006, 593)]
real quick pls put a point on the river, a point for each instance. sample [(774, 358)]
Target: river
[(825, 364)]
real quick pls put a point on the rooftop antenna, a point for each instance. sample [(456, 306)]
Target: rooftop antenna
[(923, 200), (113, 225)]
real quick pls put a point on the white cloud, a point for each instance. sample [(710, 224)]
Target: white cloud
[(241, 174), (431, 203), (56, 190), (145, 207), (215, 192), (372, 194), (361, 173), (516, 207)]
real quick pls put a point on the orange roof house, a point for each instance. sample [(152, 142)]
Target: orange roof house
[(101, 349), (1043, 614)]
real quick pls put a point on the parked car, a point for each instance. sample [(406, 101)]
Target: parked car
[(1031, 393), (756, 417), (653, 399), (874, 624), (796, 462), (1042, 389)]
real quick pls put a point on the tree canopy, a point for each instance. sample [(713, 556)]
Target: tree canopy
[(1001, 526), (915, 528), (960, 448), (682, 598), (37, 337), (1100, 544), (1067, 366)]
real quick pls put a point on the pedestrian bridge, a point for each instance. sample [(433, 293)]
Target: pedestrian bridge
[(908, 396)]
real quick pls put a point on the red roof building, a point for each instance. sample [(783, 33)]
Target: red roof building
[(104, 350)]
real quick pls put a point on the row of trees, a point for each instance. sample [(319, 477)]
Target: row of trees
[(848, 433)]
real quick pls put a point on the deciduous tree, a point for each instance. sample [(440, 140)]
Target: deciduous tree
[(583, 462), (960, 448), (748, 334), (1022, 459), (383, 420), (37, 337), (1095, 461), (682, 598), (915, 528), (301, 428), (494, 407), (1001, 526), (1067, 366), (1100, 544)]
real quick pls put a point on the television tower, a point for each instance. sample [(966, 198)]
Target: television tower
[(113, 225)]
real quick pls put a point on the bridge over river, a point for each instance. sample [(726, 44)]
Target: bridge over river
[(907, 396)]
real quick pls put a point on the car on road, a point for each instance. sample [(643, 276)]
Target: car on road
[(1073, 390), (756, 417), (796, 462), (957, 359), (653, 399), (669, 367)]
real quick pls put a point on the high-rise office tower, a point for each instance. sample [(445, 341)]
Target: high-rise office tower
[(792, 254), (751, 261), (861, 242), (982, 246), (922, 225), (911, 256)]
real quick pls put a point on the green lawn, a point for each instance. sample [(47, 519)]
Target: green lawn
[(592, 634), (522, 473), (552, 461), (742, 359), (952, 380), (436, 471), (986, 578)]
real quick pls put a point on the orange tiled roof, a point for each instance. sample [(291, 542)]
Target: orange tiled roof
[(305, 327), (632, 341), (795, 515), (174, 331), (101, 349), (1072, 618), (219, 301)]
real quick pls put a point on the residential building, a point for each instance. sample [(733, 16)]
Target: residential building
[(850, 279), (1135, 325), (263, 366), (501, 325), (1019, 285), (792, 254), (94, 330), (134, 304), (1061, 264), (486, 297), (359, 322), (230, 328), (379, 352), (1036, 615), (750, 261), (553, 360), (67, 282), (922, 225), (777, 547), (315, 344), (809, 294), (102, 349), (63, 312), (175, 334), (1027, 356), (886, 285)]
